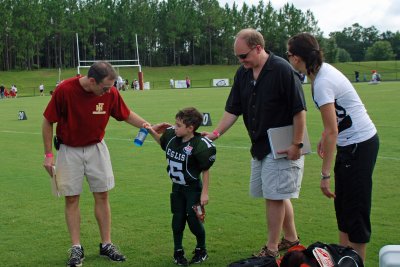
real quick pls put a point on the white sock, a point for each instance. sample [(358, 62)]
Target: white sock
[(104, 245)]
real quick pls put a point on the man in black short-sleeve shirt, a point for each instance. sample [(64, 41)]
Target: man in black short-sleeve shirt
[(268, 93), (269, 102)]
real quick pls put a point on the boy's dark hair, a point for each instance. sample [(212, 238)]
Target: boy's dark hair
[(190, 117), (101, 70)]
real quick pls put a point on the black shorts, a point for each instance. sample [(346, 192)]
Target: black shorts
[(353, 188), (184, 197)]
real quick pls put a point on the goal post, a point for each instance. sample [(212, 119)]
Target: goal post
[(118, 63)]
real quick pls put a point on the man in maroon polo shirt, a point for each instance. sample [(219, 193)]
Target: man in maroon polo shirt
[(81, 108)]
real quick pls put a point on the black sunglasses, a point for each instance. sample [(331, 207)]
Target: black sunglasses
[(243, 56), (106, 89), (288, 55)]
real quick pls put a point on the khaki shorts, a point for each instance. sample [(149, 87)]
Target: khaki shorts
[(73, 163), (276, 179)]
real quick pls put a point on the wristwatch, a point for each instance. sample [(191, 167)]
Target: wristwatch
[(299, 145)]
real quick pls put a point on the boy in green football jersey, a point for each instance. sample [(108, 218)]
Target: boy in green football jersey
[(189, 156)]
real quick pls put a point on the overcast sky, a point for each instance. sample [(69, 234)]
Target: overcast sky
[(334, 15)]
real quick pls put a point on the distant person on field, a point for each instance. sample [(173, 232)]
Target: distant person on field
[(348, 131), (13, 91), (189, 157), (187, 82), (41, 89), (81, 108), (374, 76), (171, 83), (2, 89), (134, 84), (6, 93), (357, 75), (378, 76), (120, 83), (267, 92), (126, 86)]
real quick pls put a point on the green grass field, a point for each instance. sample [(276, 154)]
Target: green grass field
[(32, 226), (201, 76)]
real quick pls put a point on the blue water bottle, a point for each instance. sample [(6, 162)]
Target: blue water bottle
[(140, 137)]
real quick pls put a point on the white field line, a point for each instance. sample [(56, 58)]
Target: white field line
[(151, 141)]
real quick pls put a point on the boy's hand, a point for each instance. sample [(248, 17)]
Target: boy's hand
[(203, 199)]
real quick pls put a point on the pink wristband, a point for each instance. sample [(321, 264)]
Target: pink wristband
[(48, 155), (216, 133)]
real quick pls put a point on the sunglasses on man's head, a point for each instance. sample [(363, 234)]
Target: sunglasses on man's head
[(244, 56)]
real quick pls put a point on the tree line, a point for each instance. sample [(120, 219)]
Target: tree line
[(42, 33)]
